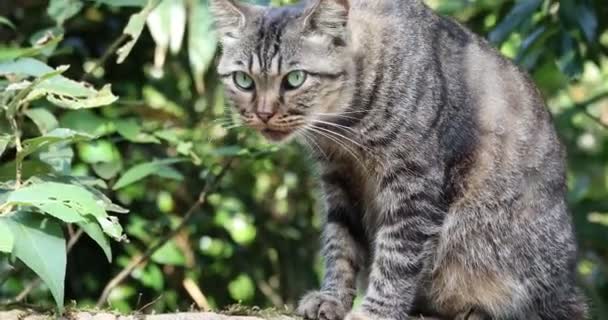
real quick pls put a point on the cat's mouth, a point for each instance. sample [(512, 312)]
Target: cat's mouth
[(276, 135)]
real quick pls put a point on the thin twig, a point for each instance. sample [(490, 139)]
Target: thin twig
[(138, 260), (111, 50), (18, 162), (583, 107)]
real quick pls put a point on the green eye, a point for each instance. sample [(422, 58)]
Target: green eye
[(295, 79), (243, 80)]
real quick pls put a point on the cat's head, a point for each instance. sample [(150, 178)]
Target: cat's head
[(283, 68)]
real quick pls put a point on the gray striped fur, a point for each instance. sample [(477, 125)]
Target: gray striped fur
[(442, 173)]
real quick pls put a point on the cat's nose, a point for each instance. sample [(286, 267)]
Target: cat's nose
[(265, 116)]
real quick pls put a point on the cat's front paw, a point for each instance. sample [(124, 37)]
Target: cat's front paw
[(321, 306)]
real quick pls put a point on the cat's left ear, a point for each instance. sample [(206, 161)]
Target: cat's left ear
[(328, 17), (230, 16)]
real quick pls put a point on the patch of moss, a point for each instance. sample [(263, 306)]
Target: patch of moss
[(269, 313)]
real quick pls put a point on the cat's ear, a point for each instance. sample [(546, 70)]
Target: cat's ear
[(230, 16), (328, 17)]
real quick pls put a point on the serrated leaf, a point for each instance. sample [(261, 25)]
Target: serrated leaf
[(7, 239), (202, 42), (40, 244), (58, 135), (134, 28), (141, 171), (62, 10), (44, 119), (92, 229), (58, 89), (68, 202)]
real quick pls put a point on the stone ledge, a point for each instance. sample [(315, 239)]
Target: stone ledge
[(30, 315)]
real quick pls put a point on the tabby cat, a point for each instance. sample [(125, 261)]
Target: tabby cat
[(442, 173)]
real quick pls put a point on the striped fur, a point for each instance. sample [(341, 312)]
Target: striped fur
[(442, 172)]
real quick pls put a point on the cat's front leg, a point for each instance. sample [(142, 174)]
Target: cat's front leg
[(409, 219), (338, 290), (343, 254)]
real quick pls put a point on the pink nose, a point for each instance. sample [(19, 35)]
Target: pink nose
[(265, 116)]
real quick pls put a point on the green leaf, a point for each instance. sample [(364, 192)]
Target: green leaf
[(92, 229), (68, 202), (62, 10), (28, 169), (521, 11), (26, 89), (7, 239), (167, 23), (134, 28), (131, 130), (141, 171), (44, 119), (58, 135), (169, 254), (59, 156), (7, 22), (5, 139), (41, 48), (98, 151), (202, 41), (58, 89), (40, 244)]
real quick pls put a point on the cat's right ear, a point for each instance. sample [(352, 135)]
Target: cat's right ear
[(230, 16), (327, 17)]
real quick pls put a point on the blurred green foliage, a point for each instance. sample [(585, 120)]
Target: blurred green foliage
[(255, 240)]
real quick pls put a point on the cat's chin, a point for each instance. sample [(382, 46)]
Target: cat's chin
[(276, 135)]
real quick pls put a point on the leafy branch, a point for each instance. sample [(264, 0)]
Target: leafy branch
[(210, 184)]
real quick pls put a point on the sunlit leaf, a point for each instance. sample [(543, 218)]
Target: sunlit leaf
[(134, 28), (7, 22), (62, 10), (40, 244), (68, 202), (92, 229), (202, 41), (11, 53), (5, 139), (44, 119), (58, 89), (141, 171), (169, 254), (131, 130), (57, 135), (7, 239)]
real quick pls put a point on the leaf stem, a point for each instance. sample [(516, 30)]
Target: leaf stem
[(104, 58), (18, 162)]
